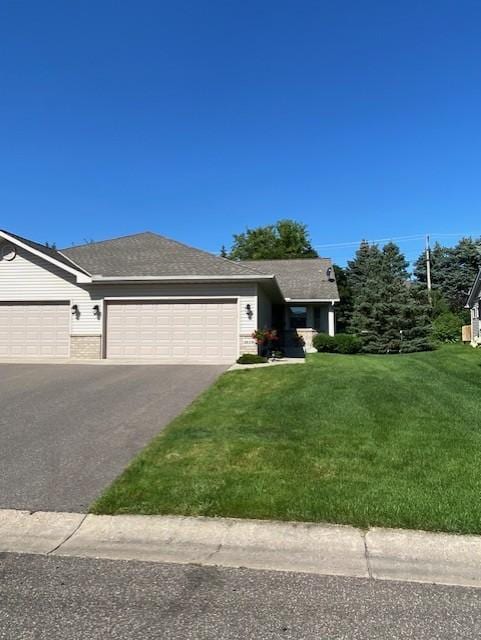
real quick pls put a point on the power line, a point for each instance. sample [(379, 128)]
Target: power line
[(419, 236), (357, 242)]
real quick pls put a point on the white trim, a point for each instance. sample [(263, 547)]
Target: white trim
[(148, 298), (101, 279), (331, 321), (330, 300), (81, 277), (239, 310)]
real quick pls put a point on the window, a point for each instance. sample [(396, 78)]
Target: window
[(317, 318), (297, 317)]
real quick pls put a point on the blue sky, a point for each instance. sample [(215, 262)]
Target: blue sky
[(197, 119)]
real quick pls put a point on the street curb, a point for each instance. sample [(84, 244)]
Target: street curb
[(323, 549)]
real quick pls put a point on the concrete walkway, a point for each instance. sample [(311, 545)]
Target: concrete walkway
[(380, 554), (271, 363)]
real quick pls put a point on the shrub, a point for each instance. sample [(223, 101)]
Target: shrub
[(447, 327), (323, 343), (342, 343), (251, 358), (347, 343)]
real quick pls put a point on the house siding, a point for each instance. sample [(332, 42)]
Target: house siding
[(30, 278), (475, 322)]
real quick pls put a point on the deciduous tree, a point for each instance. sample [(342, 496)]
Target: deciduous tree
[(284, 239)]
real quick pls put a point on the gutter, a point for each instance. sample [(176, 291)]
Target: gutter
[(120, 279), (304, 300)]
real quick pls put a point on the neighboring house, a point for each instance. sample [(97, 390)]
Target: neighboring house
[(473, 304), (145, 296)]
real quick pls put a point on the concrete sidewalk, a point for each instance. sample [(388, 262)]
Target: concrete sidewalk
[(380, 554)]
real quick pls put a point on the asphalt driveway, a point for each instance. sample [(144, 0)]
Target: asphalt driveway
[(66, 430)]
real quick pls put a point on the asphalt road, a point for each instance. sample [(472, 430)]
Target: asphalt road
[(68, 430), (47, 598)]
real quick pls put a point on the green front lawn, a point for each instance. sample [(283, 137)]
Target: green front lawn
[(366, 440)]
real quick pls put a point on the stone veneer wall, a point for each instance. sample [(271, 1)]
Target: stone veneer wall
[(308, 335), (86, 347), (247, 344)]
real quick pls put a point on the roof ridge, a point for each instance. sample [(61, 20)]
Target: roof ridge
[(128, 235), (286, 259), (171, 240)]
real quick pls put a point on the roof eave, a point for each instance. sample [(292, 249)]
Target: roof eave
[(97, 279), (331, 300)]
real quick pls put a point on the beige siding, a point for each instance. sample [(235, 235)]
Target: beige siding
[(29, 278), (475, 322)]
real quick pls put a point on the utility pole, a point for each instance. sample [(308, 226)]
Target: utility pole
[(428, 270)]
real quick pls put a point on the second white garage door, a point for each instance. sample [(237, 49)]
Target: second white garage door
[(173, 332)]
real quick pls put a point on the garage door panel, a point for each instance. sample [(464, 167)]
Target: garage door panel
[(34, 330), (174, 332)]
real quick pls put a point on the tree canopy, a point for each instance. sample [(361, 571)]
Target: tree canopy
[(453, 270), (284, 239), (385, 313)]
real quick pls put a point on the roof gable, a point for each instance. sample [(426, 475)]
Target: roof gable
[(47, 253), (474, 291)]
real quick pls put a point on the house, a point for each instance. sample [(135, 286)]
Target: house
[(473, 303), (148, 297)]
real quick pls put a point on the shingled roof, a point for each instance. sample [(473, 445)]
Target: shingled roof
[(303, 279), (149, 254), (152, 255)]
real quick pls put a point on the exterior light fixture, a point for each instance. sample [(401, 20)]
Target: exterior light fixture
[(75, 311), (96, 310)]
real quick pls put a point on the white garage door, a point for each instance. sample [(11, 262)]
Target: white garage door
[(173, 332), (34, 330)]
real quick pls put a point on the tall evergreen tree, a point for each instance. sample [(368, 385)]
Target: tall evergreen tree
[(344, 306), (386, 315), (453, 270), (366, 261)]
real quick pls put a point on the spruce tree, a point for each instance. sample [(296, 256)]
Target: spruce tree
[(365, 262), (386, 315), (453, 270)]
